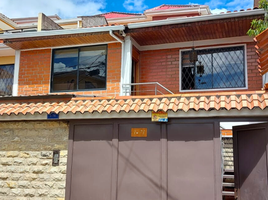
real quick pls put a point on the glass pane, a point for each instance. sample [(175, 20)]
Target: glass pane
[(65, 69), (6, 79), (214, 68), (92, 67)]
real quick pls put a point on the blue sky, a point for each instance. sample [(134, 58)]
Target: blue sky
[(73, 8)]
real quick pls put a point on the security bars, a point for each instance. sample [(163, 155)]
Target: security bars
[(215, 68)]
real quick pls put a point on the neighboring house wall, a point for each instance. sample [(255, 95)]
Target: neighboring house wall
[(35, 72), (7, 60), (26, 169), (163, 66), (227, 151)]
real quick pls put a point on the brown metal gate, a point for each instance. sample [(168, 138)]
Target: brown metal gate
[(175, 161), (250, 161)]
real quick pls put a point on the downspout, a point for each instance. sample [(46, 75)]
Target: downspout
[(122, 59)]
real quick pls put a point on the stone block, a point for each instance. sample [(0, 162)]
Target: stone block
[(4, 176), (15, 177), (63, 153), (48, 185), (3, 169), (11, 184), (56, 193), (46, 154), (59, 185), (16, 192), (32, 161), (63, 161), (53, 170), (58, 177), (37, 170), (12, 154), (6, 161), (24, 154), (44, 177), (47, 162), (24, 184), (36, 185), (4, 191), (29, 192), (63, 170), (42, 193), (19, 161), (25, 169), (2, 154), (30, 177)]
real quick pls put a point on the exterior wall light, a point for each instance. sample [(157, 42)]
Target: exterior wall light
[(56, 158), (193, 56)]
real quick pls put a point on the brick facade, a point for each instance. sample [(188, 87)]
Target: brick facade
[(163, 66), (35, 67)]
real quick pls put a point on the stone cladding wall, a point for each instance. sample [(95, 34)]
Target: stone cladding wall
[(26, 150)]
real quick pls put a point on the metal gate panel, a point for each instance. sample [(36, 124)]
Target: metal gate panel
[(91, 162), (250, 161), (139, 163), (191, 173)]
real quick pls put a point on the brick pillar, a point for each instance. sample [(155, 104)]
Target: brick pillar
[(256, 3)]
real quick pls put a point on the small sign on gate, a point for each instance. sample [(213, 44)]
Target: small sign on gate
[(139, 132), (159, 116)]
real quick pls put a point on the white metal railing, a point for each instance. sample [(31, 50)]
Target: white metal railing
[(157, 88)]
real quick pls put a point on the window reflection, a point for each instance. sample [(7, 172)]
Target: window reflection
[(222, 68), (79, 68)]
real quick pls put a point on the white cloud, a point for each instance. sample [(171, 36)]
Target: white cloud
[(218, 6), (134, 5), (213, 4), (61, 67), (238, 4), (218, 11), (64, 8)]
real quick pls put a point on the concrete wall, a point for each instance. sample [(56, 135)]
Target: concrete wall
[(26, 170)]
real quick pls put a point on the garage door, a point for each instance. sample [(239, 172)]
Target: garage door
[(174, 161)]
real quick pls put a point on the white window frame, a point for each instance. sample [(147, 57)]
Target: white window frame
[(217, 89)]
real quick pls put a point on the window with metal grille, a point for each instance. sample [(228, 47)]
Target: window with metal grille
[(79, 68), (6, 79), (217, 68)]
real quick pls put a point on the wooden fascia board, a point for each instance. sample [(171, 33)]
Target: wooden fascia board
[(51, 37)]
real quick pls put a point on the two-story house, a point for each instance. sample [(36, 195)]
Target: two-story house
[(128, 106)]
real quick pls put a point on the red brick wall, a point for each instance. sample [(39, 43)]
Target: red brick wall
[(34, 74), (163, 66), (35, 65)]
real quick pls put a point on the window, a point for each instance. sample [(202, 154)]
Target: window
[(77, 69), (217, 68), (6, 79)]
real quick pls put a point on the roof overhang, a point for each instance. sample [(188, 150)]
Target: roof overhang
[(193, 28), (54, 38)]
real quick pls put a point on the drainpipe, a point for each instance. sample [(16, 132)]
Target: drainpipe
[(122, 59)]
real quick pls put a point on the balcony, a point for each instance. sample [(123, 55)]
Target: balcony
[(149, 88)]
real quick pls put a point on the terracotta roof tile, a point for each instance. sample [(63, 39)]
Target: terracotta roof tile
[(225, 101)]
